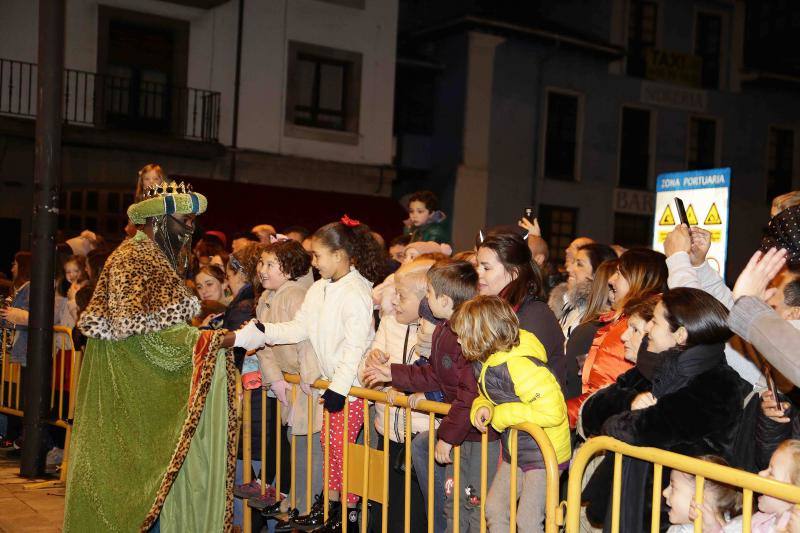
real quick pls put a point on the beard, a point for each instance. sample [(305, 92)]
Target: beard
[(175, 240)]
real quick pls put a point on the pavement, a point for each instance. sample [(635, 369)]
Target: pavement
[(27, 510)]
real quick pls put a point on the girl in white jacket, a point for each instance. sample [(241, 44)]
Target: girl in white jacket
[(336, 317)]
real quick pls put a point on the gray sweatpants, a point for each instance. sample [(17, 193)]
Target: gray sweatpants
[(302, 468), (531, 492), (470, 476)]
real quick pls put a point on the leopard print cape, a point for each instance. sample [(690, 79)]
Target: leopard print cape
[(137, 292)]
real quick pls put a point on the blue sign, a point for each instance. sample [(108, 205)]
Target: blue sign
[(694, 179)]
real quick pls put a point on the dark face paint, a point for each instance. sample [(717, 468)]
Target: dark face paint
[(173, 234)]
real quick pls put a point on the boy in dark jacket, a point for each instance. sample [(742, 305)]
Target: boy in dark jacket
[(425, 222), (450, 283)]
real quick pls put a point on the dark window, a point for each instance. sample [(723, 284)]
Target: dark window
[(702, 143), (324, 89), (139, 69), (76, 200), (642, 34), (558, 229), (561, 137), (633, 230), (780, 162), (634, 158), (708, 34), (771, 29), (320, 103), (142, 63)]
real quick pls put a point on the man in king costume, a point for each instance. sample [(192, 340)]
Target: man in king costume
[(154, 441)]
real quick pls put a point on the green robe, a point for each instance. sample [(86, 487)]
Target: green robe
[(155, 424)]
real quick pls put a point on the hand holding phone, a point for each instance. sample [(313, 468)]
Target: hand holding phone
[(682, 212)]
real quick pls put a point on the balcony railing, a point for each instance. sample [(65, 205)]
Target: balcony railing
[(105, 101)]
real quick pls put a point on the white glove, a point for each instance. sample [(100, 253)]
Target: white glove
[(251, 336)]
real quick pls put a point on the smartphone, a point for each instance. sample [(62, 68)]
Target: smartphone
[(681, 211), (772, 387), (528, 213)]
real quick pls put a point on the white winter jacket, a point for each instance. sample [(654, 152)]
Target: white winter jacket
[(337, 318)]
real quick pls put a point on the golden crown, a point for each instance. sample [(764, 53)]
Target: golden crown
[(166, 188)]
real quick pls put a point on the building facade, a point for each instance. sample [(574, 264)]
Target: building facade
[(156, 81), (575, 107)]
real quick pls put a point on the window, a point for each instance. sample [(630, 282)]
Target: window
[(702, 143), (101, 211), (143, 64), (633, 230), (708, 35), (324, 92), (642, 33), (561, 137), (634, 153), (780, 162), (558, 229)]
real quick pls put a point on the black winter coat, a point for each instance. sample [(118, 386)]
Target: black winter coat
[(699, 411)]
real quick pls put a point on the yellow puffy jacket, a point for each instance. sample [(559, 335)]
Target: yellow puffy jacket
[(516, 386)]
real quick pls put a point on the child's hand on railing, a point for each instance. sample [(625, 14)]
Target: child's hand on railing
[(442, 452), (712, 522), (482, 417), (377, 373), (306, 388), (415, 398), (392, 395), (280, 388)]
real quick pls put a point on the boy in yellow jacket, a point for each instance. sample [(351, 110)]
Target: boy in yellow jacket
[(515, 386)]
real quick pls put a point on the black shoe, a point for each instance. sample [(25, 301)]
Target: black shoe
[(315, 518), (284, 526), (334, 523), (274, 510)]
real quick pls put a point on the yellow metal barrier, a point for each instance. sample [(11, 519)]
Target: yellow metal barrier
[(66, 364), (748, 482), (364, 467)]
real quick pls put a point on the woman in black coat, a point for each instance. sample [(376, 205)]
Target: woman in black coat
[(688, 401)]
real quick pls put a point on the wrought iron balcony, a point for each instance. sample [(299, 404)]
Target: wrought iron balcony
[(116, 102)]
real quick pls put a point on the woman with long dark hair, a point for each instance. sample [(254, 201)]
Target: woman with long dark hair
[(640, 274), (506, 269)]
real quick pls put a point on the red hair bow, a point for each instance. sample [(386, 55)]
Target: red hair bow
[(350, 222)]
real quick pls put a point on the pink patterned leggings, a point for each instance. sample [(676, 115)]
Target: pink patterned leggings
[(355, 421)]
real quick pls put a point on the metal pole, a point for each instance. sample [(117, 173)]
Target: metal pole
[(236, 88), (47, 175)]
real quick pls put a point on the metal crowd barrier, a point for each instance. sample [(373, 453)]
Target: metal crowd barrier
[(66, 364), (749, 483), (372, 466)]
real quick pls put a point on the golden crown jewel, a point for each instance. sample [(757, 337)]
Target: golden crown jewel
[(164, 189)]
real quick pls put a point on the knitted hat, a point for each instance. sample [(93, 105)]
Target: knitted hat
[(167, 199), (783, 231), (83, 243)]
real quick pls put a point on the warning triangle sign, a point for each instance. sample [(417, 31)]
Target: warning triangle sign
[(667, 219), (713, 218), (690, 216)]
